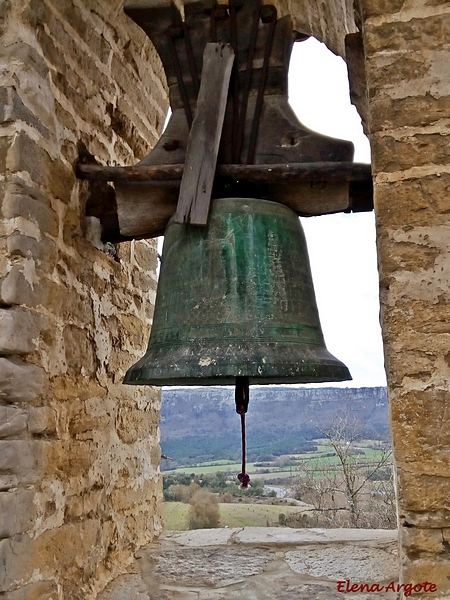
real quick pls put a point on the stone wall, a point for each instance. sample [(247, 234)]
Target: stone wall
[(407, 46), (79, 452)]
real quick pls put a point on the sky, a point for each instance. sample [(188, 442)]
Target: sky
[(341, 247)]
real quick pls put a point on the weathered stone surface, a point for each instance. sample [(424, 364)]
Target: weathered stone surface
[(372, 8), (407, 62), (15, 562), (42, 421), (97, 488), (334, 563), (422, 540), (13, 108), (411, 111), (17, 512), (19, 381), (44, 251), (280, 563), (419, 492), (432, 519), (396, 153), (20, 460), (21, 286), (41, 590), (26, 155), (260, 535), (22, 201), (430, 568), (145, 256), (408, 36), (19, 331), (13, 421)]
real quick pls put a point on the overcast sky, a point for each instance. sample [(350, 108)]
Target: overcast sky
[(341, 247)]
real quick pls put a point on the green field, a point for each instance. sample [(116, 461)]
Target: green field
[(317, 460), (215, 467), (231, 515)]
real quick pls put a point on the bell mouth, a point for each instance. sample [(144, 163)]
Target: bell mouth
[(274, 365), (236, 299)]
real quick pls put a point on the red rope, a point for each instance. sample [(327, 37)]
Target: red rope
[(242, 399)]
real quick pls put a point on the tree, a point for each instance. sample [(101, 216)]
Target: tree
[(204, 511), (349, 483), (342, 435)]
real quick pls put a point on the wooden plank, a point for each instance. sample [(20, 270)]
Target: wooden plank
[(268, 173), (204, 137)]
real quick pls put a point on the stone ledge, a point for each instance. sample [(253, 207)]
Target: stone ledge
[(260, 563), (278, 536)]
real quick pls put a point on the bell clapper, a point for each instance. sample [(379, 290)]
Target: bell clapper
[(242, 397)]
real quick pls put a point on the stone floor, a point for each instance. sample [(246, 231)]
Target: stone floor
[(253, 563)]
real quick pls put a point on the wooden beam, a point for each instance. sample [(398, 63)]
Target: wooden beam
[(204, 136), (270, 173)]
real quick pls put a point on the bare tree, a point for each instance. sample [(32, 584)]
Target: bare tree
[(351, 485)]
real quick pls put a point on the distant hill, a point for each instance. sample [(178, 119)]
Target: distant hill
[(200, 424)]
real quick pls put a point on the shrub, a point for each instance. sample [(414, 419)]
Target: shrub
[(204, 511)]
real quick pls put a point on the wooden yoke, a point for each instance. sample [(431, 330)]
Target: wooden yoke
[(204, 137), (239, 121)]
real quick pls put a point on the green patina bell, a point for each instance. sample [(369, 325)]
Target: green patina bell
[(236, 299)]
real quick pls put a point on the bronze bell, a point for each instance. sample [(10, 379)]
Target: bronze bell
[(236, 300)]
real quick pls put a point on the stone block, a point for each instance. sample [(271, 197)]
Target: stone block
[(5, 145), (123, 122), (79, 349), (19, 381), (375, 8), (26, 56), (420, 493), (19, 331), (422, 440), (17, 512), (402, 74), (426, 199), (21, 458), (435, 519), (145, 256), (143, 281), (429, 568), (13, 421), (42, 421), (396, 154), (71, 553), (72, 227), (13, 109), (417, 540), (431, 32), (412, 111), (23, 287), (16, 565), (23, 201), (26, 155), (44, 252), (134, 425), (41, 590), (97, 43), (77, 307)]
